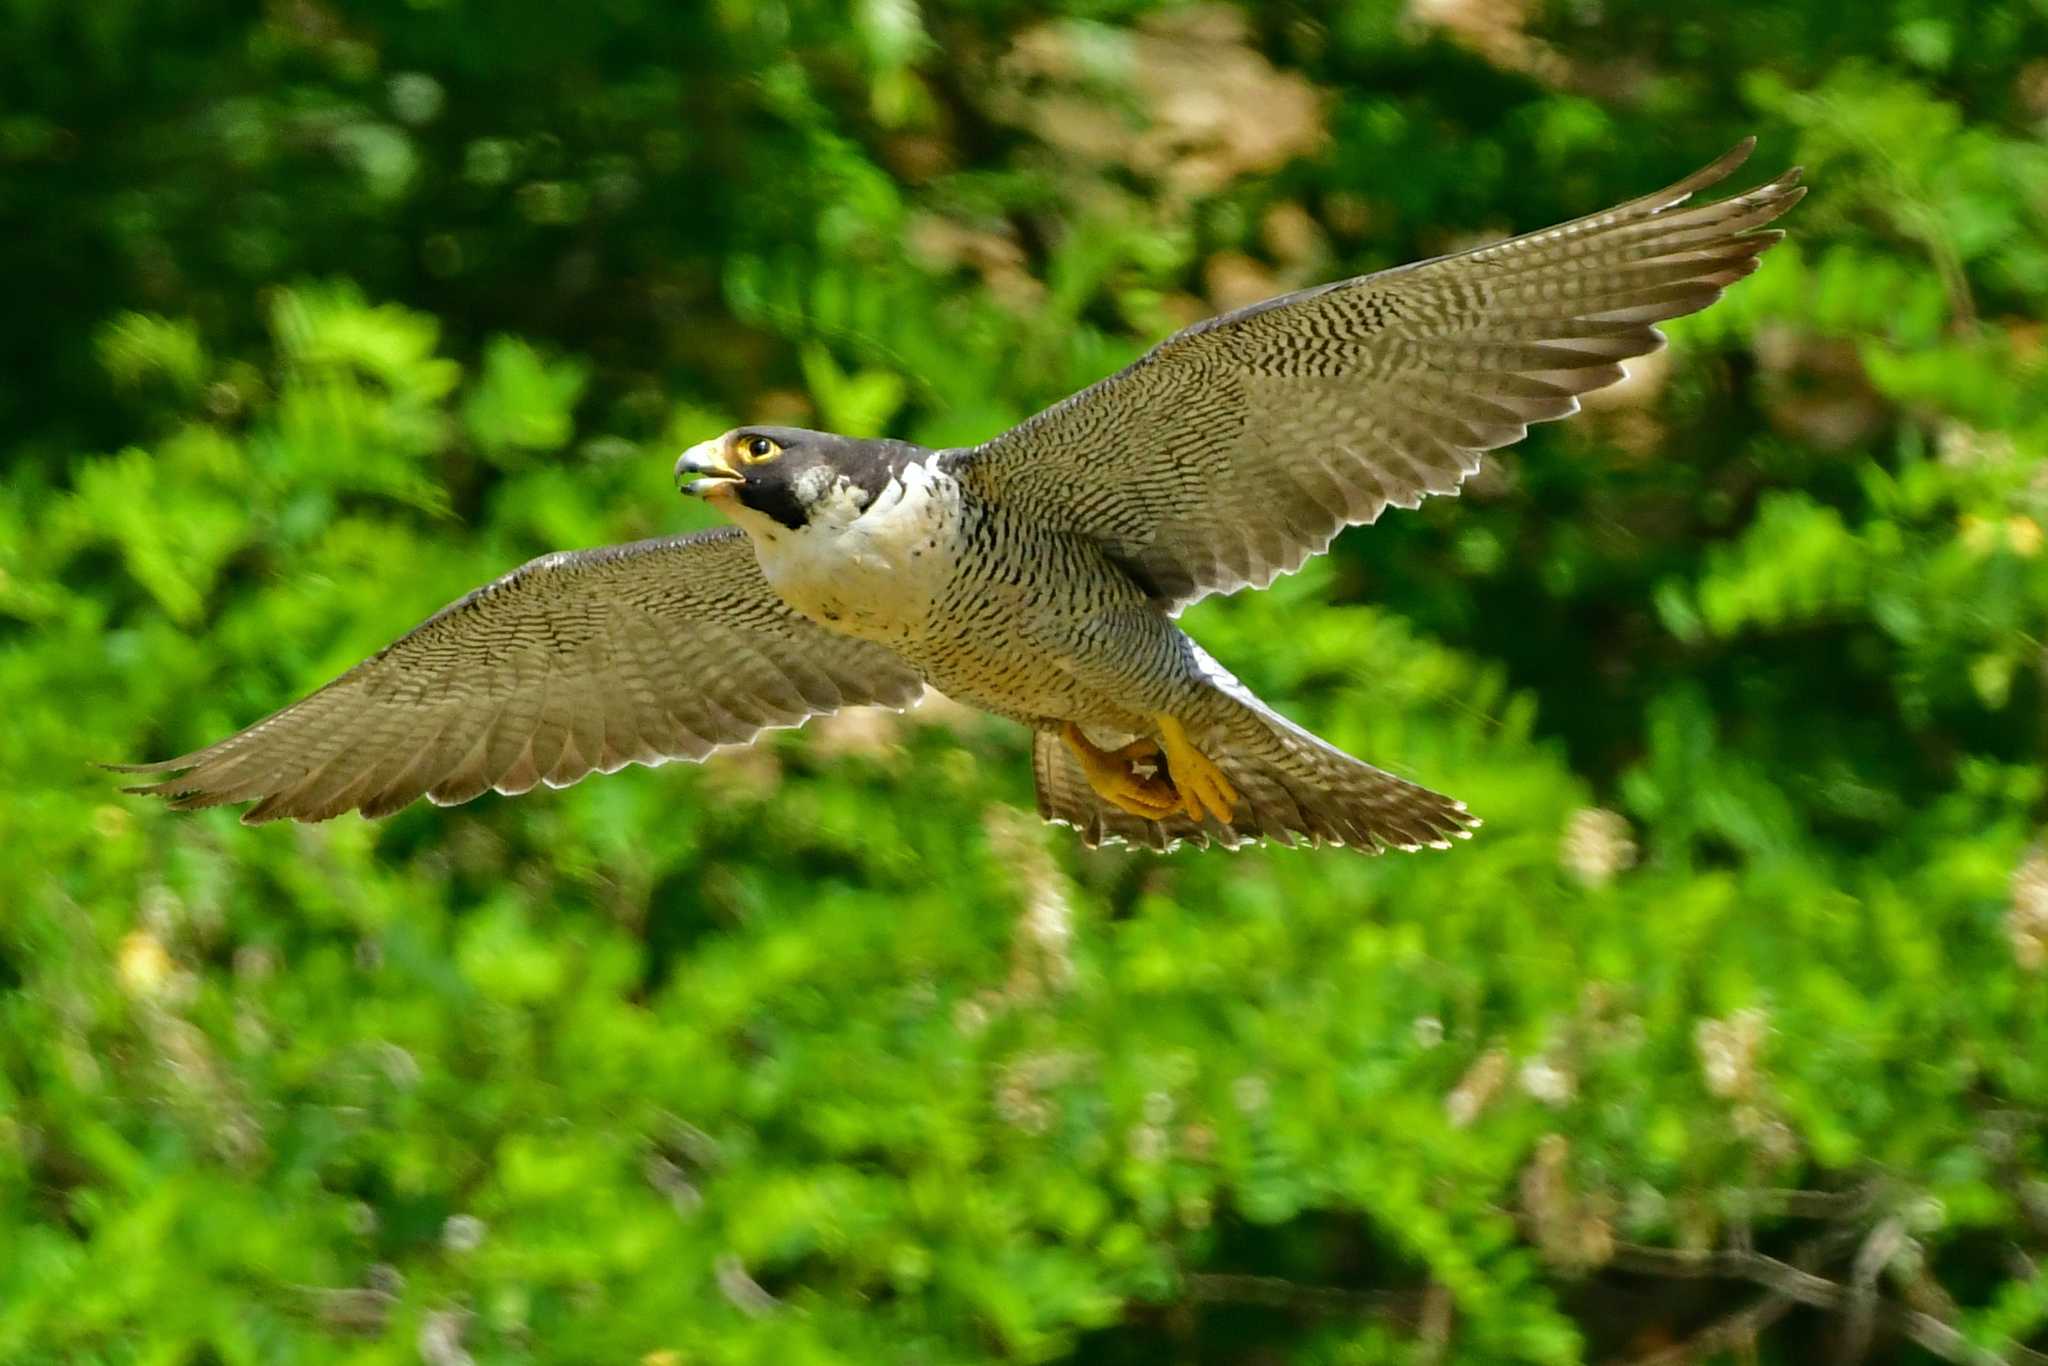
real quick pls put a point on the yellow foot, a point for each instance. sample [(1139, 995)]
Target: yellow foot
[(1195, 776), (1109, 773)]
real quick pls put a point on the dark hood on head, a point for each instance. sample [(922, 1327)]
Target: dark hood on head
[(772, 489)]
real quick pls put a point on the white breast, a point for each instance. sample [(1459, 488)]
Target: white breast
[(876, 571)]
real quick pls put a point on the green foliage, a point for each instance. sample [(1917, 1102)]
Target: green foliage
[(825, 1051)]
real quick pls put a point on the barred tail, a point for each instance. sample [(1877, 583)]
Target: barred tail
[(1292, 787)]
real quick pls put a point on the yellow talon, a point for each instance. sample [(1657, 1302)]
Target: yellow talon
[(1200, 782), (1109, 773)]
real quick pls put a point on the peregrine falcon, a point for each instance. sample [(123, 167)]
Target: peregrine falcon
[(1038, 575)]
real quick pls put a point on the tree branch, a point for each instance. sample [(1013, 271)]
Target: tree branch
[(1791, 1284)]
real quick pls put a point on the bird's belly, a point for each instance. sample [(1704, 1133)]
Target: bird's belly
[(1021, 651), (1013, 682)]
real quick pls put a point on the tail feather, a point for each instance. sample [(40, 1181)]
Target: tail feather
[(1292, 787)]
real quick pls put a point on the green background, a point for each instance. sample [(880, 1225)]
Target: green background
[(1727, 1036)]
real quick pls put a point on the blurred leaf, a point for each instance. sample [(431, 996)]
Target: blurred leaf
[(523, 402)]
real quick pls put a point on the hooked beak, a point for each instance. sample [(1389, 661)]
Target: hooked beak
[(714, 478)]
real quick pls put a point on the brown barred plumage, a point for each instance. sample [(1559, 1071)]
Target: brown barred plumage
[(1037, 575)]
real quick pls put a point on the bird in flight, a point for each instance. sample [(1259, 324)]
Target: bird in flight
[(1036, 576)]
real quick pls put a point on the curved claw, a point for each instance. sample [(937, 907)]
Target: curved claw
[(1203, 788), (1109, 772)]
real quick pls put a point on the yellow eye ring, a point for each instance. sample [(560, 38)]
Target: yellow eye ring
[(756, 450)]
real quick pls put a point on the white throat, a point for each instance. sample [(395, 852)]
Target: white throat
[(873, 571)]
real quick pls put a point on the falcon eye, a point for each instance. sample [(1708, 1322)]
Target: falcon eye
[(758, 448)]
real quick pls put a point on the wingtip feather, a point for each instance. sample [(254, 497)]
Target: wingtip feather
[(1720, 167), (158, 766)]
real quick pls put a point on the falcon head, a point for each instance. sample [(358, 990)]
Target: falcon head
[(776, 479)]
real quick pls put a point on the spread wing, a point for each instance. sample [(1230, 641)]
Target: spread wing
[(1239, 447), (641, 653)]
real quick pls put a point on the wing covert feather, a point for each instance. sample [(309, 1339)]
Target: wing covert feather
[(1237, 448)]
